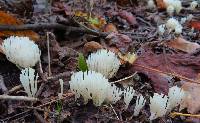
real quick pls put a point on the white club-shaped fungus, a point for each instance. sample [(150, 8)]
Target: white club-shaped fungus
[(170, 10), (176, 4), (90, 85), (113, 94), (158, 106), (176, 95), (161, 29), (21, 51), (173, 25), (140, 102), (151, 4), (104, 62), (128, 95), (193, 5), (29, 81)]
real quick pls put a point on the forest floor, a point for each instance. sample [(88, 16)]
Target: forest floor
[(151, 62)]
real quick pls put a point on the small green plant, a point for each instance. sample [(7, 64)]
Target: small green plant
[(82, 65), (58, 109)]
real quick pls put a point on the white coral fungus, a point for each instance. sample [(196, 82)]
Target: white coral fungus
[(173, 25), (176, 95), (174, 5), (21, 51), (140, 102), (158, 105), (114, 94), (128, 95), (151, 4), (29, 81), (104, 62), (90, 85), (193, 5)]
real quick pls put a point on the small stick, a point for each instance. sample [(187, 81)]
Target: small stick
[(39, 117), (131, 76), (24, 98), (114, 112), (49, 59)]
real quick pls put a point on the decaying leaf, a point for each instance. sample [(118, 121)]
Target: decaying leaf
[(129, 17), (191, 102), (110, 28), (92, 46), (121, 41), (7, 19), (160, 4), (195, 24), (183, 45), (129, 57), (181, 64), (95, 22)]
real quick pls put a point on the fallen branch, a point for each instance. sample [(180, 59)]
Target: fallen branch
[(23, 98), (57, 26)]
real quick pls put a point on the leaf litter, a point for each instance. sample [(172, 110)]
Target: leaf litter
[(150, 63)]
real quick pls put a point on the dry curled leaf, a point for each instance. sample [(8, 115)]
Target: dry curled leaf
[(183, 45), (121, 41), (191, 102), (129, 17), (110, 28), (92, 46), (7, 19), (160, 4), (195, 24)]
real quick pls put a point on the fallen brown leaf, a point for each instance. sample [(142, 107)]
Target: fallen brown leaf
[(129, 17), (8, 19), (183, 45), (180, 64), (92, 46), (160, 4), (110, 28), (121, 41), (192, 101)]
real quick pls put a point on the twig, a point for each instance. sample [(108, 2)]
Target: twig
[(131, 76), (114, 111), (57, 26), (24, 98), (53, 101), (174, 114), (2, 85), (39, 117), (48, 50)]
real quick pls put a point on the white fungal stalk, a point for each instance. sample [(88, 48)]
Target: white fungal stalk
[(128, 95), (161, 29), (29, 81), (61, 89), (158, 105), (176, 95), (114, 94), (140, 102), (104, 62), (21, 51), (90, 85)]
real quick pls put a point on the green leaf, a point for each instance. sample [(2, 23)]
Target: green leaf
[(82, 65)]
